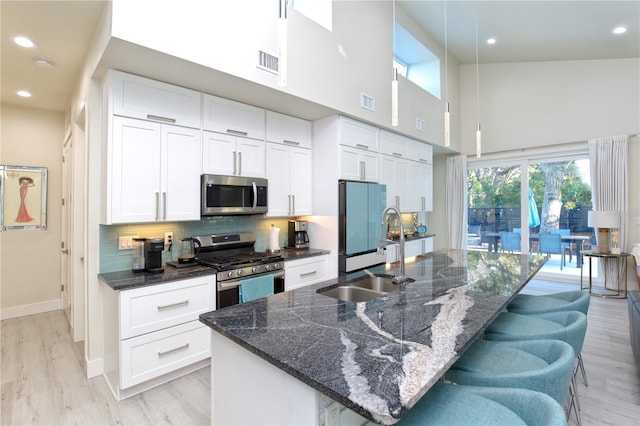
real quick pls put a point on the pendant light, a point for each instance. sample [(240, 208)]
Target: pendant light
[(394, 76), (447, 120), (478, 131), (282, 43)]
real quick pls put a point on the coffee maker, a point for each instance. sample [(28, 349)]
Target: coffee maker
[(153, 255), (298, 237)]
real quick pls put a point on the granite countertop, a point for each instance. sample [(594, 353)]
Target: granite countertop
[(295, 254), (378, 358)]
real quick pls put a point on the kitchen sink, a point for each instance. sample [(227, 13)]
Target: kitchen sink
[(382, 284), (350, 293)]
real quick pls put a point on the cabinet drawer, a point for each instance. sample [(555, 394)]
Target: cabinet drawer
[(154, 354), (148, 309), (394, 145), (288, 130), (139, 97), (421, 152), (358, 135), (300, 273)]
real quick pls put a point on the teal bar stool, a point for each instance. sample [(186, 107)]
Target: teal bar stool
[(556, 302), (542, 365), (456, 405), (569, 327)]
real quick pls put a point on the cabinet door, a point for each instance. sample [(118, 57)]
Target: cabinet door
[(358, 135), (218, 154), (301, 181), (371, 161), (387, 164), (139, 97), (278, 174), (350, 167), (181, 164), (420, 151), (392, 144), (401, 180), (288, 130), (412, 248), (250, 157), (392, 253), (133, 171), (421, 188), (234, 118)]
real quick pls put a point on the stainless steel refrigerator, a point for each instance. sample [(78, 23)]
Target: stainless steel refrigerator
[(360, 208)]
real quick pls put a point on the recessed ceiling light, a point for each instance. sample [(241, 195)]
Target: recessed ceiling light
[(619, 30), (24, 94), (491, 40), (25, 42), (43, 63)]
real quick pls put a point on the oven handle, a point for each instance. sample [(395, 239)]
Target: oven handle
[(225, 285)]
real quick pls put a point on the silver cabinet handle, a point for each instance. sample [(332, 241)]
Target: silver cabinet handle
[(359, 145), (308, 274), (288, 142), (293, 204), (396, 154), (234, 162), (157, 206), (164, 206), (169, 351), (173, 305), (362, 170), (240, 163), (236, 132), (397, 201), (289, 205), (422, 160), (159, 118), (423, 201)]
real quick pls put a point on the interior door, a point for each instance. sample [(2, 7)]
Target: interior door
[(67, 230)]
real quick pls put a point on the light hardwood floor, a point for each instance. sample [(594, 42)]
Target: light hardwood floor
[(43, 378)]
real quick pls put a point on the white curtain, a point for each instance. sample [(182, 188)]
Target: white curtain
[(609, 186), (456, 198)]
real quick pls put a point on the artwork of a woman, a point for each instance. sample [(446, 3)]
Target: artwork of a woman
[(23, 214)]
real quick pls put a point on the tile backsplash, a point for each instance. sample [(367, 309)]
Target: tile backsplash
[(112, 259)]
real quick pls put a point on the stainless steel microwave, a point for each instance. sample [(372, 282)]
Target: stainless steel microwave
[(229, 195)]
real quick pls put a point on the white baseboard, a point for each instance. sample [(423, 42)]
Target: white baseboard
[(31, 309), (95, 367)]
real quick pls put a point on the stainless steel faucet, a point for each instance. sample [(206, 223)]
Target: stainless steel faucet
[(398, 279)]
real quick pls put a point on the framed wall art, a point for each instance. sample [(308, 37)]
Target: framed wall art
[(23, 197)]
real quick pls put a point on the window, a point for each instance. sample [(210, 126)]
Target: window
[(421, 66)]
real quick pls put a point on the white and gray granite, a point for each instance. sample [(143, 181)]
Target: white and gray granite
[(124, 280), (378, 358)]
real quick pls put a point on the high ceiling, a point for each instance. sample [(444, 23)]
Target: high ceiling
[(524, 30)]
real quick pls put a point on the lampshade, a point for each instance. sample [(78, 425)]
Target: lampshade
[(603, 219)]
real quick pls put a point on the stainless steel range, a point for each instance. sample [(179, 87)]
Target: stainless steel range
[(235, 259)]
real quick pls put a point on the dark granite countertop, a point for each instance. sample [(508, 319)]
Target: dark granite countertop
[(123, 280), (378, 358), (295, 254)]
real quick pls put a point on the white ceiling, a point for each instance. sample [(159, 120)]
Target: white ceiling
[(525, 30)]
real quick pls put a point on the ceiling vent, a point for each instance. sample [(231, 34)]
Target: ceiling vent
[(267, 62), (367, 102)]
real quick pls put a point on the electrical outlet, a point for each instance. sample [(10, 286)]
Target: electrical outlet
[(126, 242), (332, 415), (168, 239)]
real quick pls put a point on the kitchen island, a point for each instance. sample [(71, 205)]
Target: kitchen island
[(284, 359)]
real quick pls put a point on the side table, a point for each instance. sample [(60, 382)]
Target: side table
[(621, 277)]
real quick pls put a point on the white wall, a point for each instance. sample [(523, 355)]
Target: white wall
[(30, 259)]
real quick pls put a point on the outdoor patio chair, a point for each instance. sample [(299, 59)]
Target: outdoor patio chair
[(565, 245), (510, 241), (551, 244)]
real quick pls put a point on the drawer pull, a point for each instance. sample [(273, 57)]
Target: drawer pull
[(396, 154), (307, 274), (157, 117), (173, 305), (169, 351), (291, 142), (362, 146), (236, 132)]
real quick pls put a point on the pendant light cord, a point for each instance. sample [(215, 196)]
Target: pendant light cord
[(477, 75)]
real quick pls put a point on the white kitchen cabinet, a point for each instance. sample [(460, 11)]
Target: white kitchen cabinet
[(394, 145), (421, 152), (417, 247), (288, 130), (288, 170), (394, 172), (153, 335), (307, 271), (420, 187), (358, 135), (392, 253), (224, 154), (152, 172), (138, 97), (233, 118), (358, 164)]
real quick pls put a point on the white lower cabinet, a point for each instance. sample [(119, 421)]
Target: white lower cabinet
[(411, 248), (307, 271), (153, 335)]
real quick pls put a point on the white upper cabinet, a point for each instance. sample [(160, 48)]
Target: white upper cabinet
[(233, 118), (420, 152), (288, 130), (152, 172), (232, 155), (394, 145), (394, 172), (139, 97), (358, 135), (358, 151), (290, 184)]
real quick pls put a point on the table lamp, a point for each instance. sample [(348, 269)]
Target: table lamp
[(607, 224)]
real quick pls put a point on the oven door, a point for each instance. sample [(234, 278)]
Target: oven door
[(229, 291)]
